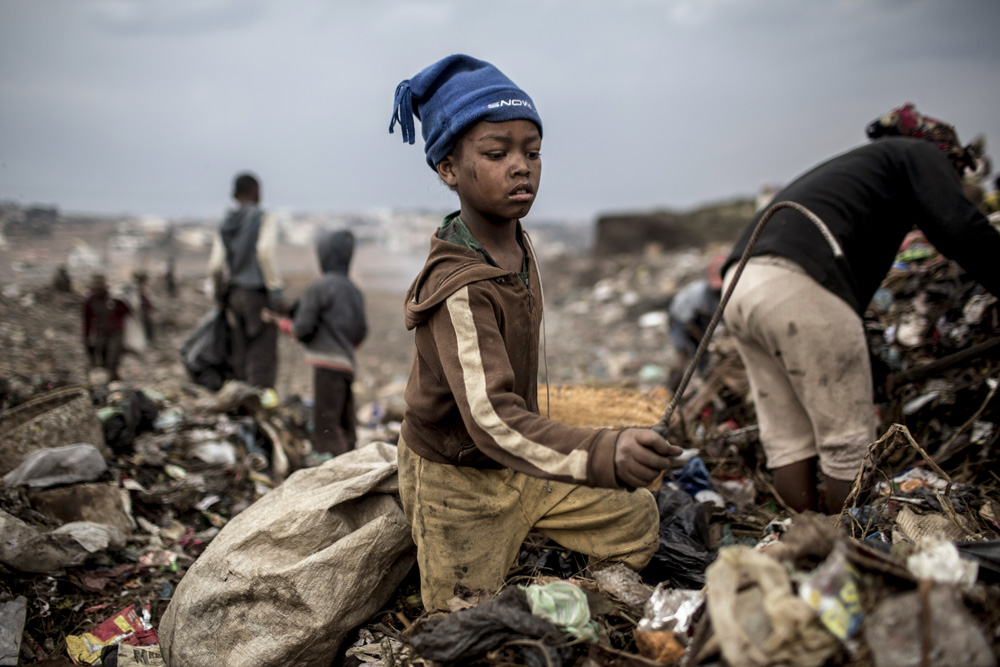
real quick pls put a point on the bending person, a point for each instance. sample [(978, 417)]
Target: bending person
[(796, 313)]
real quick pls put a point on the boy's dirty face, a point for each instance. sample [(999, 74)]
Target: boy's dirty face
[(496, 168)]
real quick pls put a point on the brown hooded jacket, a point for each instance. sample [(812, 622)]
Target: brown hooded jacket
[(472, 394)]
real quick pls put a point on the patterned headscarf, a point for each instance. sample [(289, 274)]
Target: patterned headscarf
[(906, 121)]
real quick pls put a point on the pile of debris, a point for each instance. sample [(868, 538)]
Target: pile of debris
[(146, 480), (606, 319), (908, 574), (934, 333), (140, 518)]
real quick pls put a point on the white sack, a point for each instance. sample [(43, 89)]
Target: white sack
[(287, 578)]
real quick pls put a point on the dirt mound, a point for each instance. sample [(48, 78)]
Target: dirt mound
[(604, 407), (631, 233)]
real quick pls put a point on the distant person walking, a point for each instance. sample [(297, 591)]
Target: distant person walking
[(103, 327), (170, 278), (244, 271), (690, 311), (145, 303), (330, 321), (61, 281)]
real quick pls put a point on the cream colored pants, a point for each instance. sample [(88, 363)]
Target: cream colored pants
[(468, 524), (807, 361)]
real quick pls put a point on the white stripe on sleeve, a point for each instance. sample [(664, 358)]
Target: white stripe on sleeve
[(573, 465)]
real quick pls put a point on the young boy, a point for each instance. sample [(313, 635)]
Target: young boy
[(330, 320), (103, 326), (244, 269), (478, 466)]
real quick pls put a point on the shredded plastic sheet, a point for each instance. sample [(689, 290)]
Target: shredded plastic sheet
[(671, 609), (26, 548), (938, 560), (623, 584), (71, 464), (12, 616), (832, 591), (563, 604)]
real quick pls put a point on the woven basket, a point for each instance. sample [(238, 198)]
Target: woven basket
[(60, 417)]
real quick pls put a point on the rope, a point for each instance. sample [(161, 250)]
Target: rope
[(661, 426), (545, 353)]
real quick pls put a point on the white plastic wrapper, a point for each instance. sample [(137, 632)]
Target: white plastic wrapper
[(671, 609), (938, 560), (709, 496)]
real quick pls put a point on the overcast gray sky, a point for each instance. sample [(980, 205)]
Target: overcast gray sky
[(151, 106)]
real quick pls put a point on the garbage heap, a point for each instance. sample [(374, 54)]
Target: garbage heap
[(908, 574), (162, 522), (111, 492)]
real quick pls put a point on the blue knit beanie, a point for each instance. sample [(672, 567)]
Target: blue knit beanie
[(450, 96)]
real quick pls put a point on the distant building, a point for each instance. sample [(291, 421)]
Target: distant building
[(35, 221)]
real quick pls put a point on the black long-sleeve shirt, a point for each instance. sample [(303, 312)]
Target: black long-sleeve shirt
[(870, 198)]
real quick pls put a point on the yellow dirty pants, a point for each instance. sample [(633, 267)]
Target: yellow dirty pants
[(468, 524)]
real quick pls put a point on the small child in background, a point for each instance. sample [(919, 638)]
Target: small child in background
[(103, 326), (145, 305), (61, 281), (170, 278), (330, 320)]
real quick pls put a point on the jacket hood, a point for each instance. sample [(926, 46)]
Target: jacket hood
[(449, 268), (235, 220), (335, 250)]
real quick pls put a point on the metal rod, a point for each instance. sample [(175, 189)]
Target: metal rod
[(661, 426)]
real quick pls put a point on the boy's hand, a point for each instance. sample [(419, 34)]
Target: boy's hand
[(640, 455), (269, 316)]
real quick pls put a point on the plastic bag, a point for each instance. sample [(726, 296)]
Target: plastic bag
[(29, 549), (134, 336), (206, 351), (756, 616), (832, 591), (684, 551), (60, 465), (671, 609), (565, 605), (466, 635), (694, 477), (987, 555)]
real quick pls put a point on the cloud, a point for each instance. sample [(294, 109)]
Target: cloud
[(413, 16), (151, 105), (128, 17)]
